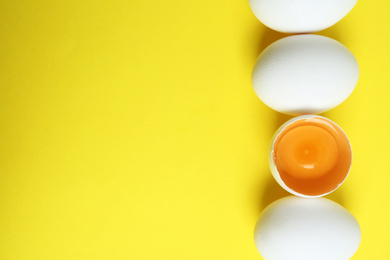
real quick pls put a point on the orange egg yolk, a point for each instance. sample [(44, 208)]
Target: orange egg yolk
[(312, 156)]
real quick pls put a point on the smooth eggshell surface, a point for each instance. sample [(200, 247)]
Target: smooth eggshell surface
[(294, 228), (305, 74), (300, 16)]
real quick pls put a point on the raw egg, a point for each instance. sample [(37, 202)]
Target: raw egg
[(305, 74), (310, 156), (300, 16), (294, 228)]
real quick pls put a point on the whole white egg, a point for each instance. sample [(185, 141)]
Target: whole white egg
[(300, 16), (305, 74), (294, 228)]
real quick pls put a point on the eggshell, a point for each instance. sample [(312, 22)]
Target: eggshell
[(294, 228), (300, 16), (274, 169), (305, 74)]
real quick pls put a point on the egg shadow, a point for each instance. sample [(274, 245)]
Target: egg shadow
[(332, 32), (279, 120), (271, 192), (338, 196), (266, 37)]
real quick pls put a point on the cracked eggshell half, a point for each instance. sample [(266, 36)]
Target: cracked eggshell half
[(305, 74), (300, 16), (310, 156)]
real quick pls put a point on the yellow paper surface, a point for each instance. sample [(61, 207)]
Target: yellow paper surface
[(130, 129)]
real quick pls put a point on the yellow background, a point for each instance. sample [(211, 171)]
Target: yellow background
[(130, 129)]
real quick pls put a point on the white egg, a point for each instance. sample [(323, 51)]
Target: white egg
[(305, 74), (300, 16), (294, 228), (310, 156)]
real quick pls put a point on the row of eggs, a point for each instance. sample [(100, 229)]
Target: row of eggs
[(310, 156)]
